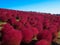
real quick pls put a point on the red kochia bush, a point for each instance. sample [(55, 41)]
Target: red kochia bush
[(12, 37), (33, 20), (8, 15), (45, 35), (18, 25), (12, 21), (53, 28), (6, 28), (24, 19), (35, 31), (3, 18), (46, 23), (27, 25), (42, 42), (39, 26), (27, 35)]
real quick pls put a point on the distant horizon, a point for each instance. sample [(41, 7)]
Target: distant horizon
[(28, 11), (44, 6)]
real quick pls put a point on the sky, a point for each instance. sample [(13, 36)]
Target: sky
[(45, 6)]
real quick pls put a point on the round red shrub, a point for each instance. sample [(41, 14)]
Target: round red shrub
[(13, 37), (42, 42)]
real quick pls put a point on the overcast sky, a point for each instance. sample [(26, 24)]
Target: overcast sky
[(46, 6)]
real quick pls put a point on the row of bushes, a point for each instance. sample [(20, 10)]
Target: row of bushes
[(24, 26)]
